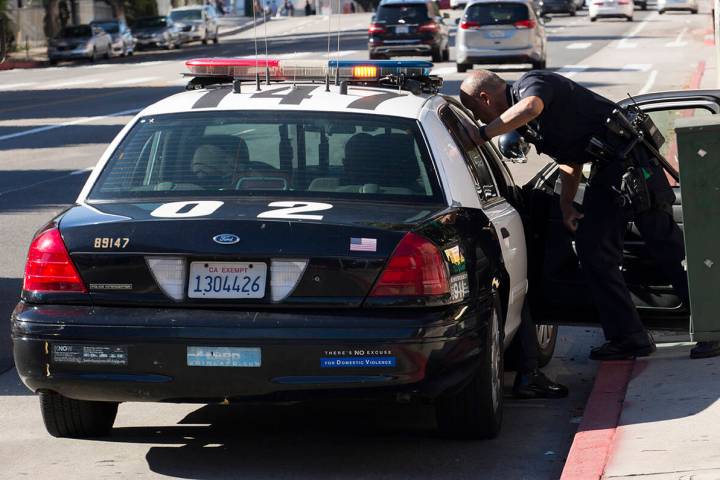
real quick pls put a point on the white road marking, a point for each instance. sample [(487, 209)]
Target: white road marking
[(71, 83), (579, 46), (569, 71), (33, 131), (443, 70), (82, 170), (678, 40), (14, 86), (649, 83), (624, 43), (134, 81), (637, 67)]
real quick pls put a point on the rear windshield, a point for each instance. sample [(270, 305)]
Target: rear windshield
[(497, 13), (151, 22), (213, 154), (180, 15), (412, 13), (76, 31)]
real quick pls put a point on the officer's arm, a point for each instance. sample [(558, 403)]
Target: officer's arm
[(570, 178), (516, 116)]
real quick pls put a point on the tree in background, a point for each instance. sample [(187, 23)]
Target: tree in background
[(368, 5), (6, 28)]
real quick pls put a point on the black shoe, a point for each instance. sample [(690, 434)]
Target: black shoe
[(705, 350), (624, 349), (536, 385)]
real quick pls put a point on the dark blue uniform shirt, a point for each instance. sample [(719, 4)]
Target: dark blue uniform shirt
[(572, 115)]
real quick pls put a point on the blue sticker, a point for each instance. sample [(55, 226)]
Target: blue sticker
[(357, 362), (224, 357)]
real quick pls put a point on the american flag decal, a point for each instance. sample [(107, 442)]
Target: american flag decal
[(363, 244)]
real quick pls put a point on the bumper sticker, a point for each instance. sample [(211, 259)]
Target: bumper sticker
[(357, 362), (90, 354), (224, 357)]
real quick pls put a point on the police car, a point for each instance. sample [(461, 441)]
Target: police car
[(281, 230)]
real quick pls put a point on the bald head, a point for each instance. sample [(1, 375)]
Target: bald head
[(483, 92)]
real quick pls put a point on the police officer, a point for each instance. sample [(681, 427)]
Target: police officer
[(560, 117)]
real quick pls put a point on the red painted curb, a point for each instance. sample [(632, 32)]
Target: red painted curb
[(11, 64), (591, 446), (696, 79)]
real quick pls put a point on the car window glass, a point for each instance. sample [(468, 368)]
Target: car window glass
[(185, 15), (473, 156), (480, 161), (665, 121), (76, 31), (402, 13), (248, 153), (496, 13)]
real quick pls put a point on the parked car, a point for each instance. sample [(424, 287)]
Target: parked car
[(80, 41), (409, 27), (508, 31), (611, 9), (558, 6), (123, 42), (197, 23), (687, 5), (156, 32)]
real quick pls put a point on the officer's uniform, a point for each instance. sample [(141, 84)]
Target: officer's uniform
[(571, 116)]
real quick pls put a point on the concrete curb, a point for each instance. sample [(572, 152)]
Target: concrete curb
[(245, 26), (12, 64), (593, 441)]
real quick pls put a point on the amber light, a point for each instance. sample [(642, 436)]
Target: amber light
[(365, 71)]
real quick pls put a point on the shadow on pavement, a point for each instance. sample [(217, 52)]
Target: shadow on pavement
[(36, 183), (71, 135), (9, 295)]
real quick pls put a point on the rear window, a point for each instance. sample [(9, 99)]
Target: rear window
[(181, 15), (402, 13), (152, 22), (497, 13), (256, 153), (109, 27)]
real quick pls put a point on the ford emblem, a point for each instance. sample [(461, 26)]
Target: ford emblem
[(226, 239)]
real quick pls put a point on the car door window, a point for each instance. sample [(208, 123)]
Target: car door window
[(481, 175)]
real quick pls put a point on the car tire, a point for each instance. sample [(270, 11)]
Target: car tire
[(53, 61), (644, 6), (694, 12), (547, 340), (660, 12), (593, 19), (463, 67), (68, 418), (93, 56), (205, 39), (573, 12), (446, 54), (436, 55), (108, 52), (216, 38), (475, 411), (629, 19)]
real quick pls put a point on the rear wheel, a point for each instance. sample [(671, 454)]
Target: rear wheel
[(462, 67), (446, 54), (573, 12), (547, 339), (629, 19), (65, 417), (475, 411), (660, 12), (593, 19), (694, 12), (436, 55)]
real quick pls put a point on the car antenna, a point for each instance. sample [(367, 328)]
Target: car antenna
[(635, 104), (257, 73), (337, 55), (329, 36), (267, 64)]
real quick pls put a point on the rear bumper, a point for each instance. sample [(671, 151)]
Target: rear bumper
[(479, 56), (423, 353), (555, 9), (408, 48), (68, 54)]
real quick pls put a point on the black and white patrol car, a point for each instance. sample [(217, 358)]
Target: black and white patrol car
[(283, 240)]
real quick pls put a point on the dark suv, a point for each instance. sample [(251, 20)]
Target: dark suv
[(408, 27)]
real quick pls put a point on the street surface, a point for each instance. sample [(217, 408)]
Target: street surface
[(55, 123)]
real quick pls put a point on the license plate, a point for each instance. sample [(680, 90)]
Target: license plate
[(227, 280), (224, 357), (402, 29), (496, 34)]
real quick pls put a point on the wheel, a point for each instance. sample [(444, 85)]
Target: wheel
[(93, 57), (436, 55), (593, 19), (547, 339), (573, 12), (694, 12), (475, 411), (216, 38), (660, 12), (629, 19), (205, 39), (644, 6), (462, 67), (108, 52), (65, 417), (540, 65), (446, 54), (53, 61)]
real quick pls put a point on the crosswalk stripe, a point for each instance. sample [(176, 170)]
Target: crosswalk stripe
[(579, 46)]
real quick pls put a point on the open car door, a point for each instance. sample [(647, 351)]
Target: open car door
[(558, 292)]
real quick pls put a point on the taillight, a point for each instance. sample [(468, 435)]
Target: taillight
[(376, 28), (466, 24), (49, 267), (624, 2), (431, 27), (416, 268), (524, 24)]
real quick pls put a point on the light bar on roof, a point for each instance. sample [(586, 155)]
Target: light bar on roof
[(289, 70)]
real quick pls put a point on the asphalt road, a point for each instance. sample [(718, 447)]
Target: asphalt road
[(55, 123)]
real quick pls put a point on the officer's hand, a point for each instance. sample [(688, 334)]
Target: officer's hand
[(571, 217)]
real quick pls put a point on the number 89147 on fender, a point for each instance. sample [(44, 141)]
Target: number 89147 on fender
[(350, 241)]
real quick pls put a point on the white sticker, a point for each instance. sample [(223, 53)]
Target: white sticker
[(198, 208), (292, 210)]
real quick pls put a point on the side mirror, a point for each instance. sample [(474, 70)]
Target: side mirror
[(513, 147), (457, 21)]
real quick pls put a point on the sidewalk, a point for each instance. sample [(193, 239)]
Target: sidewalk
[(37, 57)]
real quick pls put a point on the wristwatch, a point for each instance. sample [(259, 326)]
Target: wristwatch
[(484, 134)]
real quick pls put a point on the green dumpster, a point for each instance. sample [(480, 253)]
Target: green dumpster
[(699, 157)]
